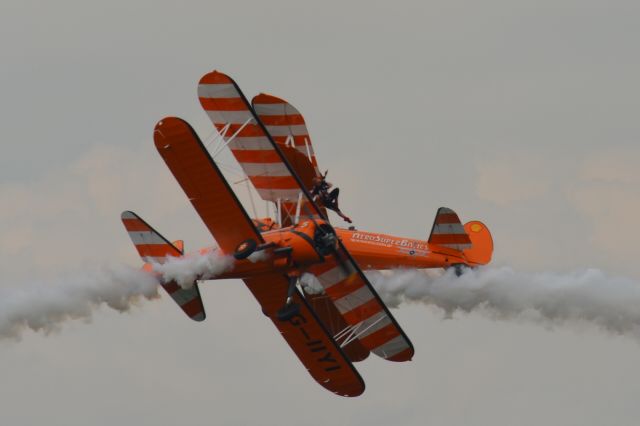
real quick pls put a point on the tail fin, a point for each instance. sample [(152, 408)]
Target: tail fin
[(447, 231), (481, 243), (153, 247)]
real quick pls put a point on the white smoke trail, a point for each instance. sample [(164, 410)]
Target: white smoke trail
[(187, 269), (585, 297), (45, 306)]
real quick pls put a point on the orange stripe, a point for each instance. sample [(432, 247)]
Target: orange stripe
[(219, 127), (256, 156), (215, 77), (132, 225), (322, 268), (450, 239), (274, 182), (263, 98), (345, 287), (154, 250), (282, 120), (362, 312), (171, 287), (405, 355), (447, 218), (192, 307), (223, 104), (380, 337)]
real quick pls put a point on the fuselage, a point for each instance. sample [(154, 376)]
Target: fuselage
[(292, 249)]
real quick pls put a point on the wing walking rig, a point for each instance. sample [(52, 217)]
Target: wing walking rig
[(344, 320)]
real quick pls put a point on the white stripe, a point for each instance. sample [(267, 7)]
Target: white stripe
[(230, 117), (332, 276), (154, 259), (251, 143), (198, 317), (392, 347), (354, 299), (458, 247), (265, 169), (448, 228), (270, 109), (296, 130), (129, 215), (290, 195), (184, 296), (276, 109), (146, 237), (225, 90), (216, 118), (234, 117), (382, 321)]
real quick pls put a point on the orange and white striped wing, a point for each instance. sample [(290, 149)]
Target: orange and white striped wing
[(154, 248), (287, 128), (246, 136), (448, 231), (285, 124), (363, 310)]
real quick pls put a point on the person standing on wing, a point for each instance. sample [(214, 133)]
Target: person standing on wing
[(320, 193)]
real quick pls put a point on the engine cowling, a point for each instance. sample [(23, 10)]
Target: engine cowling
[(312, 242)]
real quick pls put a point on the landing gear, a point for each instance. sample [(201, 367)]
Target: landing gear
[(290, 309), (459, 269), (245, 249)]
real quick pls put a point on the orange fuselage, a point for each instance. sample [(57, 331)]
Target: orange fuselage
[(370, 250)]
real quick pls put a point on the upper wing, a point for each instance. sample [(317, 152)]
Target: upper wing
[(287, 128), (355, 298), (286, 125), (203, 183), (249, 141), (229, 223)]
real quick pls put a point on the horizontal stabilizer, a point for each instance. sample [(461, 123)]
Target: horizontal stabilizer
[(154, 248)]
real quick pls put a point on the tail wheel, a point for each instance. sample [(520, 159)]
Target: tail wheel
[(460, 268), (245, 249)]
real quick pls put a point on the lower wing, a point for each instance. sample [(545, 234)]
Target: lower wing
[(228, 222)]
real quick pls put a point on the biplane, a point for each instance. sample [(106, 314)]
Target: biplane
[(343, 319)]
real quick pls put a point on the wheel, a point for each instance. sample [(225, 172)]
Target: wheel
[(245, 249), (459, 268), (288, 311)]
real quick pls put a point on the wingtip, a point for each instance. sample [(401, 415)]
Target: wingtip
[(128, 214), (199, 317), (215, 77)]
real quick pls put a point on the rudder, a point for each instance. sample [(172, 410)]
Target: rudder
[(481, 248)]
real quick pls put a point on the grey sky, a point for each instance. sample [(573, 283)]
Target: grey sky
[(521, 114)]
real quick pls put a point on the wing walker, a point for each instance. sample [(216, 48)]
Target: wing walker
[(342, 319)]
